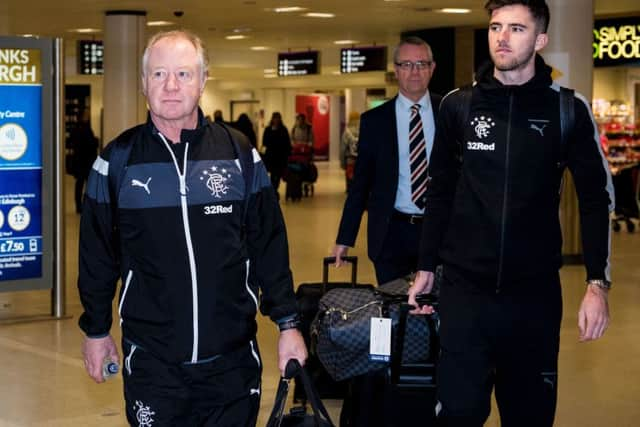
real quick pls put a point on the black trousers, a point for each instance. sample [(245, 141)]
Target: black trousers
[(221, 392), (399, 255), (509, 341)]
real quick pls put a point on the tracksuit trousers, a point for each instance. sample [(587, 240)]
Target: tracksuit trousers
[(223, 391), (508, 340)]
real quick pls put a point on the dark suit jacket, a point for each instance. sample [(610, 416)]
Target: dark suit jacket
[(376, 177)]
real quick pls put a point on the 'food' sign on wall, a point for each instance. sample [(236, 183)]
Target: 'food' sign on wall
[(616, 42)]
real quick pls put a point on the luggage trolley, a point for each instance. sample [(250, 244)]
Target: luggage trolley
[(301, 173)]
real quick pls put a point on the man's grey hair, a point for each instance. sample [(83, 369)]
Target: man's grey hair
[(412, 40), (201, 50)]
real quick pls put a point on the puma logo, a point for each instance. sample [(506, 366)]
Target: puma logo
[(145, 185), (550, 378), (539, 129)]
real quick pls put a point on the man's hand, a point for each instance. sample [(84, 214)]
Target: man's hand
[(291, 346), (593, 317), (95, 351), (339, 251), (422, 284)]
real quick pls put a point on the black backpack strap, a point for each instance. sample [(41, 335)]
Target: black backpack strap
[(464, 106), (245, 155), (567, 121), (462, 113)]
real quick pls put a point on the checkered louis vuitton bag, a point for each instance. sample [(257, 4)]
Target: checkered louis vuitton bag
[(341, 329)]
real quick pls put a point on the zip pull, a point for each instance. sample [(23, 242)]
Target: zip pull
[(183, 185)]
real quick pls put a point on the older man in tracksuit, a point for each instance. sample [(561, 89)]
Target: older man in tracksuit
[(493, 221), (197, 249)]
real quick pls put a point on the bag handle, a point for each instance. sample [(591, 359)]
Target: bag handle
[(278, 406), (327, 261), (421, 299), (293, 369)]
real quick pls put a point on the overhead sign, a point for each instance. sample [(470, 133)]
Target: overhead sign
[(616, 42), (90, 57), (357, 59), (20, 164), (298, 63)]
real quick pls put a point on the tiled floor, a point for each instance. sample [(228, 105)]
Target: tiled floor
[(42, 381)]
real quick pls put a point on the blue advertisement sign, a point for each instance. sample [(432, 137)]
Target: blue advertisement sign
[(20, 164)]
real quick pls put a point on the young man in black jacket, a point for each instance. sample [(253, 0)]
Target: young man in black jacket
[(493, 221), (199, 244)]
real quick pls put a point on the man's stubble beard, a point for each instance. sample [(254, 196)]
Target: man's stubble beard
[(515, 63)]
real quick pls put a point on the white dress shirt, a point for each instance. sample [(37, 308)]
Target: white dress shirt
[(403, 117)]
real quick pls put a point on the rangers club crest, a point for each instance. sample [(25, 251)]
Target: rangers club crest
[(144, 415), (482, 125), (216, 180)]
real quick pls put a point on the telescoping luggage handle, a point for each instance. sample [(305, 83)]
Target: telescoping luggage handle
[(434, 339), (320, 414), (353, 260)]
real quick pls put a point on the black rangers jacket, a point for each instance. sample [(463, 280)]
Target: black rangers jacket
[(192, 273), (495, 184)]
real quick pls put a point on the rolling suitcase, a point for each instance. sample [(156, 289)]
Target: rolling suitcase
[(411, 386), (308, 295)]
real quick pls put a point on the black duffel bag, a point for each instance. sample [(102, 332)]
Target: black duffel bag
[(342, 328), (298, 416)]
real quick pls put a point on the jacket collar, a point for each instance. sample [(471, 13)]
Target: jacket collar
[(541, 78), (191, 135)]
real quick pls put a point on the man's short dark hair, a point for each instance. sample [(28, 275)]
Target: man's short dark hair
[(415, 41), (538, 8)]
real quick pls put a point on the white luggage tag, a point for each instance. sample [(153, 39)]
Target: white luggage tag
[(380, 340)]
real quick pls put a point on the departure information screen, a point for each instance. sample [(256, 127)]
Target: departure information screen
[(90, 56), (357, 59), (298, 63)]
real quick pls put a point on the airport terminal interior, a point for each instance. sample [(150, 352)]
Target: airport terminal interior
[(42, 378)]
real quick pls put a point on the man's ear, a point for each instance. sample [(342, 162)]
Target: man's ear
[(541, 41), (144, 85)]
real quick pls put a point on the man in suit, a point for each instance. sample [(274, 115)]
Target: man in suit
[(390, 172)]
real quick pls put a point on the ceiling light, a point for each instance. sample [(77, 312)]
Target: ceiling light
[(270, 76), (29, 35), (454, 10), (319, 15), (260, 48), (236, 37), (289, 9), (346, 42), (269, 70), (84, 30), (159, 23)]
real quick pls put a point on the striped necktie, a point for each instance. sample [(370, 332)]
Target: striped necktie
[(417, 157)]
